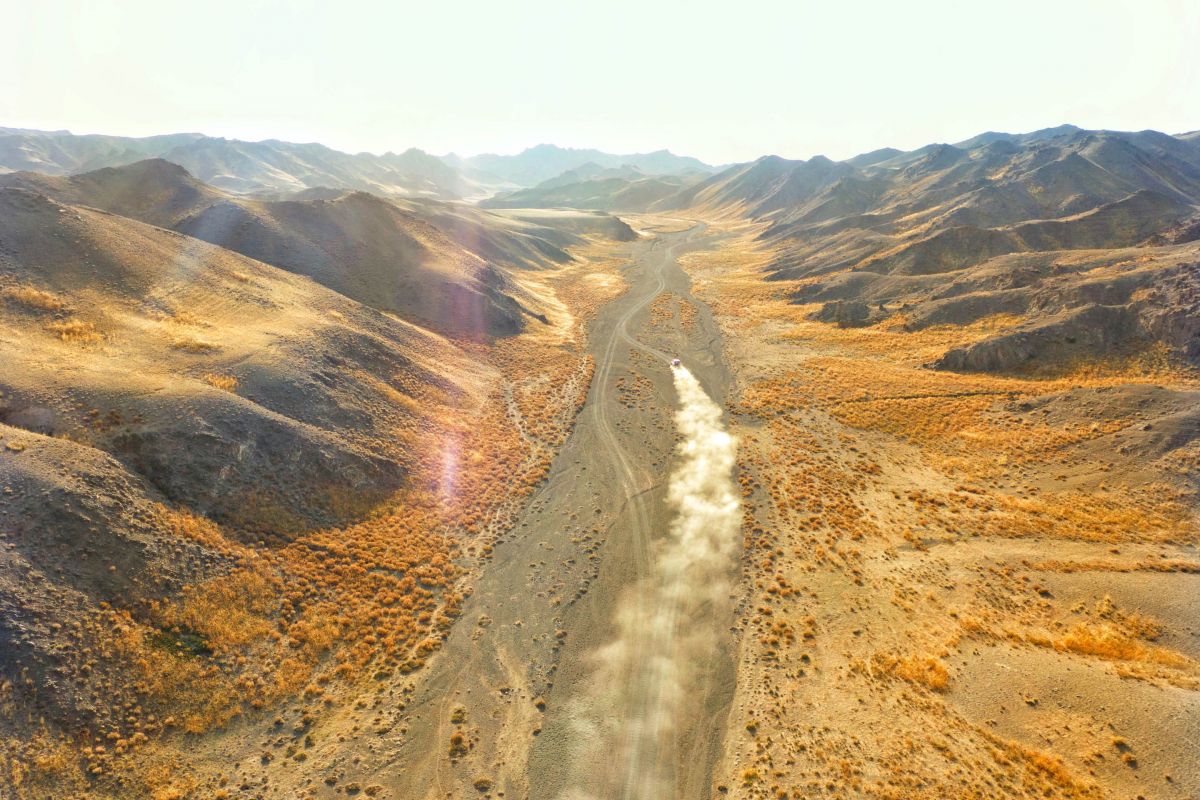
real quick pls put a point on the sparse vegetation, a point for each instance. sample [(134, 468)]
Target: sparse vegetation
[(192, 344), (226, 383), (35, 299), (75, 331), (954, 497), (928, 672), (865, 475), (273, 610)]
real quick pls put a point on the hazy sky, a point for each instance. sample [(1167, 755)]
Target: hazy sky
[(724, 81)]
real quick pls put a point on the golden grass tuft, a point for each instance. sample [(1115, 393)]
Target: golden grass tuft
[(37, 299), (230, 611), (923, 670), (1106, 640), (193, 344), (75, 331), (188, 318), (226, 383)]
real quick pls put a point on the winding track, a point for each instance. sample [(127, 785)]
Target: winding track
[(604, 425)]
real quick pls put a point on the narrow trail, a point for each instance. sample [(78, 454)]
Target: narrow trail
[(604, 426), (625, 722)]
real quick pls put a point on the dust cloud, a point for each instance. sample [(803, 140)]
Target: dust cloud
[(649, 682)]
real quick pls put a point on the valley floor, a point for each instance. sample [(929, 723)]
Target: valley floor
[(956, 585), (950, 585), (519, 680)]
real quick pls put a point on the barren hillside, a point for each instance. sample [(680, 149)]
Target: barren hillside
[(220, 475), (445, 267)]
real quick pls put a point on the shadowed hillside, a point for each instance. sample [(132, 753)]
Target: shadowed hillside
[(1085, 234), (227, 486), (108, 316), (157, 387), (444, 266)]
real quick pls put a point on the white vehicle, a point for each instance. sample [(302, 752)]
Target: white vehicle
[(675, 362)]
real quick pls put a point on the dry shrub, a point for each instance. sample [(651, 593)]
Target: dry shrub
[(1043, 767), (1143, 565), (188, 318), (229, 611), (75, 331), (170, 792), (189, 525), (1147, 514), (1106, 640), (1146, 361), (192, 344), (37, 761), (226, 383), (922, 670), (37, 299)]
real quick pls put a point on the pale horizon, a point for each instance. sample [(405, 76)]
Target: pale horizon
[(722, 85), (673, 151)]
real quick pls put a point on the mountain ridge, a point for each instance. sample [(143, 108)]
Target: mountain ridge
[(276, 166), (444, 268)]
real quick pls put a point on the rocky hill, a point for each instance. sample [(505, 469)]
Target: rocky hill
[(443, 266), (1087, 235)]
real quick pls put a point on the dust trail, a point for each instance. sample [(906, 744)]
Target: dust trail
[(648, 682)]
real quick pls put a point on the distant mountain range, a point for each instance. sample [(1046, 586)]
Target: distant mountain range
[(267, 167), (953, 233), (276, 168), (546, 161), (1090, 236), (1046, 173), (593, 187), (979, 192)]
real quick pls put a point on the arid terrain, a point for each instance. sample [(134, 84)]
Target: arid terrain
[(318, 481)]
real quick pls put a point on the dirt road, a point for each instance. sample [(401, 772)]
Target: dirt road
[(518, 677)]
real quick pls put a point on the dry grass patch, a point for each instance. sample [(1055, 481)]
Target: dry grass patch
[(226, 383), (850, 445), (1145, 565), (75, 331), (37, 299), (189, 319), (193, 344), (922, 670), (1108, 641)]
